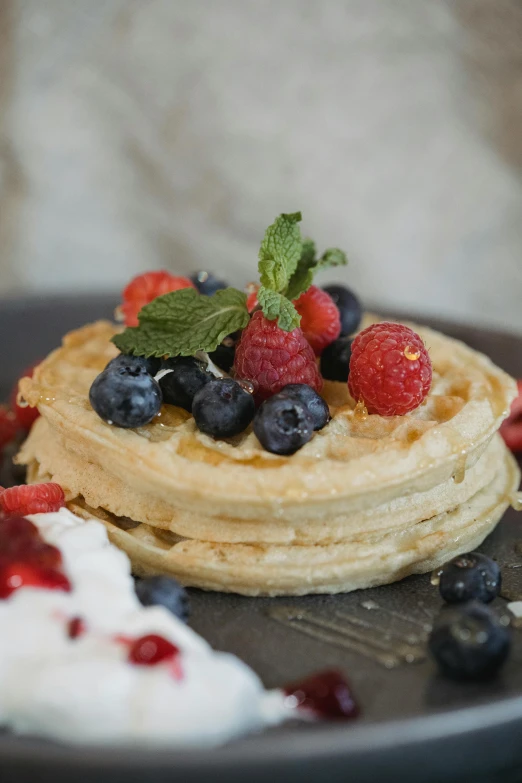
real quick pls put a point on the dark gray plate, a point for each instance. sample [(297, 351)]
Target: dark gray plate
[(415, 725)]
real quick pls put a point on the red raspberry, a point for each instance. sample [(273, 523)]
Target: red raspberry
[(390, 369), (511, 429), (320, 319), (144, 288), (8, 426), (25, 416), (152, 649), (272, 358), (21, 574), (32, 499)]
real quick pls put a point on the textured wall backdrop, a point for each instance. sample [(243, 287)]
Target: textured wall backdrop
[(169, 133)]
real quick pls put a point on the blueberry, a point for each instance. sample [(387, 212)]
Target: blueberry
[(126, 396), (163, 591), (222, 408), (150, 364), (207, 283), (283, 424), (313, 402), (225, 353), (469, 642), (349, 308), (188, 377), (470, 577), (335, 360)]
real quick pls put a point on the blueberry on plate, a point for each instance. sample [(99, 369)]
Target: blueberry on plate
[(335, 360), (223, 356), (222, 408), (349, 308), (188, 376), (150, 364), (469, 642), (469, 577), (283, 424), (313, 402), (207, 283), (125, 395), (163, 591)]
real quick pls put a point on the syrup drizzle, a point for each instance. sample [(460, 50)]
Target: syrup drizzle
[(389, 648)]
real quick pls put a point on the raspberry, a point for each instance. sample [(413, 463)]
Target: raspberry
[(272, 358), (32, 499), (320, 319), (8, 426), (390, 369), (511, 429), (25, 416), (144, 288)]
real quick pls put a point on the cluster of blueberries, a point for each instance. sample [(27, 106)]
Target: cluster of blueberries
[(470, 641), (127, 393)]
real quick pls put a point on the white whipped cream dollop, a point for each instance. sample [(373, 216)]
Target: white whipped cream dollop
[(85, 690)]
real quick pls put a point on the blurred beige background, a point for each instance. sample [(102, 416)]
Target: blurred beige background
[(169, 133)]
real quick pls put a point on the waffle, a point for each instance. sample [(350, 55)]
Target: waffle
[(365, 502)]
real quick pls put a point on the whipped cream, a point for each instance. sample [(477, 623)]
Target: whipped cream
[(85, 690)]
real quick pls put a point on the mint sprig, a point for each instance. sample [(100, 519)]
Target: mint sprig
[(280, 252), (276, 305), (183, 322), (308, 265)]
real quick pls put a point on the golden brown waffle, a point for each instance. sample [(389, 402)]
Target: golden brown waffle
[(254, 522)]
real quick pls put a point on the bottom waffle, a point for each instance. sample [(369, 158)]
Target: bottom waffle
[(254, 569)]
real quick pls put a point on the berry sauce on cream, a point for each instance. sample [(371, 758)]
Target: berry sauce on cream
[(90, 664)]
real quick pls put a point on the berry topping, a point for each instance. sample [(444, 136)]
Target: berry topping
[(152, 649), (390, 369), (223, 408), (21, 574), (125, 395), (164, 591), (25, 415), (326, 694), (27, 499), (511, 429), (349, 307), (144, 288), (188, 376), (75, 627), (469, 642), (135, 364), (272, 358), (8, 426), (313, 402), (468, 577), (207, 283), (320, 320), (16, 529), (283, 424), (223, 356), (335, 360)]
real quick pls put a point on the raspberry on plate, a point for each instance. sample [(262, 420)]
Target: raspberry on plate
[(8, 426), (511, 429), (320, 319), (390, 369), (144, 288), (272, 358), (27, 499)]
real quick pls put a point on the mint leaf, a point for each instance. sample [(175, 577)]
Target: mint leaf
[(303, 276), (183, 322), (280, 252), (308, 265), (276, 305), (332, 257)]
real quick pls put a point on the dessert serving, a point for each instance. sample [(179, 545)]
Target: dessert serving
[(252, 444)]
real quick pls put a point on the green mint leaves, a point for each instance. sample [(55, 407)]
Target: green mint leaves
[(308, 265), (183, 322), (280, 252), (276, 305)]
